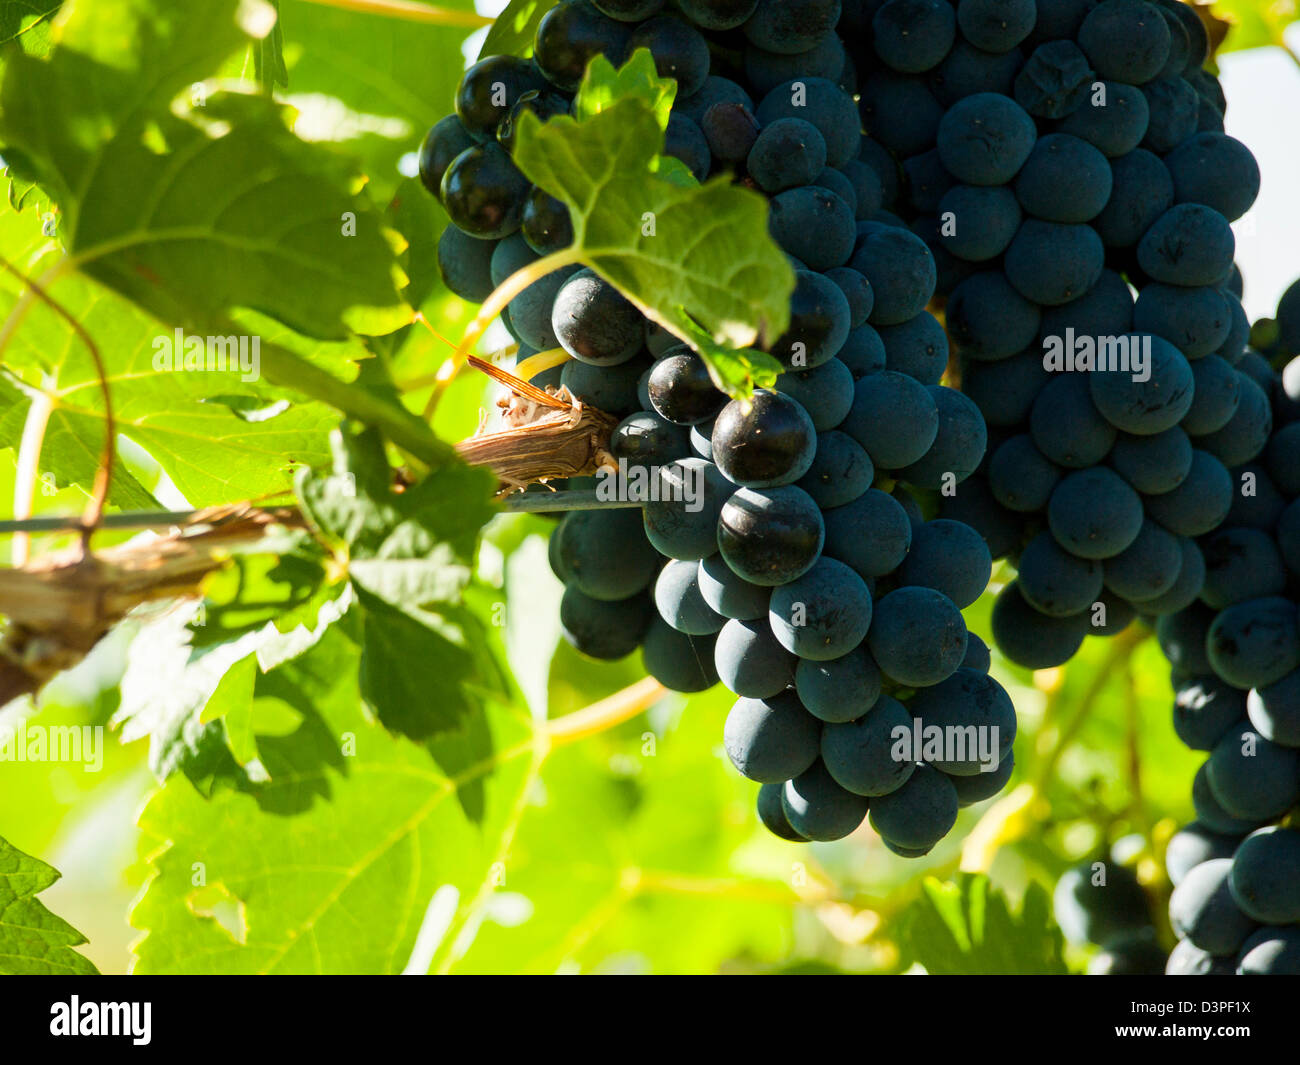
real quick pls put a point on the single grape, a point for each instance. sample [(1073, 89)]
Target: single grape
[(977, 719), (839, 689), (1097, 901), (484, 191), (1265, 876), (771, 740), (818, 808), (1203, 910), (860, 754), (767, 442), (872, 534), (917, 636), (1031, 638), (679, 662), (605, 630), (770, 536), (751, 661), (823, 614), (681, 520), (444, 141), (919, 814)]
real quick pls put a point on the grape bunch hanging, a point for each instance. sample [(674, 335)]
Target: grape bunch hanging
[(1066, 163), (803, 573), (1235, 661)]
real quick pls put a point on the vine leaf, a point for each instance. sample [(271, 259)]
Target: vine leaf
[(514, 29), (26, 24), (268, 56), (219, 437), (1236, 25), (34, 941), (380, 824), (476, 852), (370, 86), (141, 164), (189, 679), (409, 557), (603, 86), (967, 928), (697, 259)]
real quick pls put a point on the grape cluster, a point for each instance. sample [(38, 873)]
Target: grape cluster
[(1102, 903), (786, 549), (1065, 161), (1235, 657)]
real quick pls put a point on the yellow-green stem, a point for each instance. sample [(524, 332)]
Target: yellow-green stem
[(604, 715), (511, 287), (29, 464), (429, 14)]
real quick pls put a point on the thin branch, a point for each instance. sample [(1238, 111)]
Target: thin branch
[(519, 503), (1121, 651), (492, 307), (541, 362), (25, 301), (104, 473), (414, 384), (1133, 723), (651, 881), (162, 519), (600, 717), (29, 464), (429, 14), (561, 502)]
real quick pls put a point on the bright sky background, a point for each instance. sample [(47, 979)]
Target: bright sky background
[(1263, 89)]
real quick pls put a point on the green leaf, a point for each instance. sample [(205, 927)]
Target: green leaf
[(190, 421), (370, 86), (232, 704), (413, 214), (189, 679), (380, 824), (514, 29), (71, 452), (192, 204), (1254, 23), (967, 928), (603, 86), (33, 941), (690, 257), (735, 372), (280, 581), (409, 556), (26, 25), (268, 56), (166, 685), (476, 853), (423, 674)]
